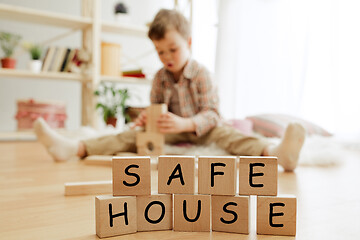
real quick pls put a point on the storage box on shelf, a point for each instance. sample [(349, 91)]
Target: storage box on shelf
[(28, 110)]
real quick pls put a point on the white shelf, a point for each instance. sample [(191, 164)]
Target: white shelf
[(125, 80), (125, 29), (14, 73), (28, 15)]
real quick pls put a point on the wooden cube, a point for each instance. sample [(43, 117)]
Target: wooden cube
[(154, 212), (150, 143), (153, 112), (258, 176), (131, 176), (230, 214), (176, 174), (88, 188), (276, 215), (115, 215), (103, 160), (192, 213), (217, 175)]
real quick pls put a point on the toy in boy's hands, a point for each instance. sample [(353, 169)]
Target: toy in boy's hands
[(171, 123), (167, 123)]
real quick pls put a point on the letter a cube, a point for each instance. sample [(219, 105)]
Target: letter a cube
[(176, 174)]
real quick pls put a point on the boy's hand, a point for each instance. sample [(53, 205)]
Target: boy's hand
[(140, 120), (171, 123)]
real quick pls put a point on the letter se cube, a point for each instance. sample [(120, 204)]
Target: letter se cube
[(131, 176)]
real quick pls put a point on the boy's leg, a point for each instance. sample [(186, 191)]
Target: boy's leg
[(62, 148), (289, 149), (238, 144), (233, 141), (123, 142), (111, 144), (59, 147), (174, 138)]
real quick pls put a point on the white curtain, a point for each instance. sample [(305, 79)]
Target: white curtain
[(297, 57)]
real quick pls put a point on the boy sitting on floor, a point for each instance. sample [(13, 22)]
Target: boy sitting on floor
[(186, 87)]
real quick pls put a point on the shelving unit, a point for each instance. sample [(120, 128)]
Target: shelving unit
[(43, 75), (92, 26), (125, 80), (128, 29), (22, 14)]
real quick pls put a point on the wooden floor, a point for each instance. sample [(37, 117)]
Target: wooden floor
[(33, 205)]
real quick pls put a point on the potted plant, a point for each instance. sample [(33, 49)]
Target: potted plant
[(8, 42), (35, 51), (121, 13), (111, 102)]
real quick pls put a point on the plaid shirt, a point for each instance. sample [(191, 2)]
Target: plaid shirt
[(198, 99)]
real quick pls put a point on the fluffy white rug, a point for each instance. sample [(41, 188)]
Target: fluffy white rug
[(317, 150)]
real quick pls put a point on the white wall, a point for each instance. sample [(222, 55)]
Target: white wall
[(292, 57), (11, 89)]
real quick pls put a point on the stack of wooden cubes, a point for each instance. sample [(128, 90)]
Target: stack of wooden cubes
[(216, 206)]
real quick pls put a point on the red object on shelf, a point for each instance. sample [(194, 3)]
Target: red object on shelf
[(8, 63), (28, 110), (140, 75)]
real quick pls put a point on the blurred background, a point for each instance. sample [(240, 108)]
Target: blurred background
[(300, 58)]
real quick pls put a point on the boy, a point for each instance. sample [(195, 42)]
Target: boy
[(186, 87)]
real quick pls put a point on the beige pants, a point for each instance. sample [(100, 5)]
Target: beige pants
[(225, 137)]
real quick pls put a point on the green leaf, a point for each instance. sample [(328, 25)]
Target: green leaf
[(111, 100), (8, 42), (100, 105)]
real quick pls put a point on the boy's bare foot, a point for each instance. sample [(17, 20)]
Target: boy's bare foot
[(59, 147), (289, 149)]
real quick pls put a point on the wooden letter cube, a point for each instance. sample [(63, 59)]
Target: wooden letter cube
[(150, 144), (230, 214), (153, 113), (276, 215), (154, 212), (176, 174), (192, 213), (131, 176), (115, 215), (217, 175), (258, 176)]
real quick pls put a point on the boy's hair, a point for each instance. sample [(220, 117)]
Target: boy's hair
[(166, 20)]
